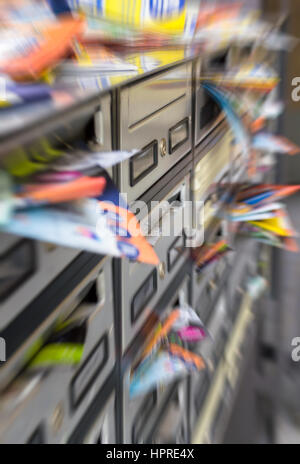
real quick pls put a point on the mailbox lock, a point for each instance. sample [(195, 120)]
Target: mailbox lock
[(162, 270), (163, 147)]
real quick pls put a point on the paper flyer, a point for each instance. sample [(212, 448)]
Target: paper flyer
[(255, 77), (163, 16), (48, 45), (279, 225), (91, 58), (165, 357), (262, 216), (269, 238), (275, 144), (259, 194), (234, 120), (161, 369), (101, 225), (209, 253), (82, 159), (65, 345), (40, 194), (248, 213)]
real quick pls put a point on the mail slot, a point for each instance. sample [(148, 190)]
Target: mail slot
[(242, 54), (89, 371), (17, 264), (244, 263), (142, 285), (209, 287), (211, 174), (143, 295), (26, 268), (218, 326), (41, 140), (201, 393), (207, 281), (155, 118), (199, 388), (238, 293), (208, 113), (173, 426), (204, 302), (142, 416), (174, 252), (103, 429), (141, 413), (61, 396), (99, 346)]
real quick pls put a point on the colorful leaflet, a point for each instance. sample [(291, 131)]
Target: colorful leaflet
[(234, 120), (161, 369), (53, 43), (82, 159), (206, 252), (255, 76), (161, 333), (275, 144), (187, 356), (209, 253), (192, 334), (58, 193), (101, 225)]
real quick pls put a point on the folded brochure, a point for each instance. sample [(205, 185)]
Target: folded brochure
[(101, 225)]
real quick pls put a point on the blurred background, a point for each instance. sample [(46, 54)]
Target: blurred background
[(265, 406)]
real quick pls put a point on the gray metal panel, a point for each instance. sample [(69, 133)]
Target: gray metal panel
[(49, 259), (199, 388), (212, 170), (149, 111), (136, 276), (62, 396), (103, 430), (46, 260), (244, 262), (205, 65), (133, 408), (211, 349), (173, 425)]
